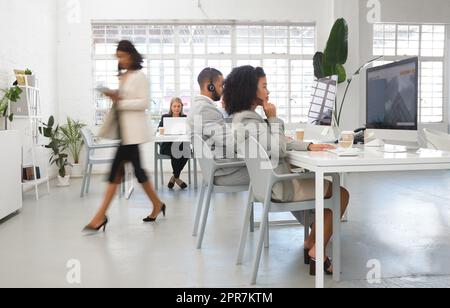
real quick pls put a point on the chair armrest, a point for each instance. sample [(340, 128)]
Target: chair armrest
[(286, 177)]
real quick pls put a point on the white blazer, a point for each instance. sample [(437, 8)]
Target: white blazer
[(134, 128)]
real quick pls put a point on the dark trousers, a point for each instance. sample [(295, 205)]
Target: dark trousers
[(126, 154), (178, 164)]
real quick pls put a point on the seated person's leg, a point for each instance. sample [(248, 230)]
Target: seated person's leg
[(237, 178)]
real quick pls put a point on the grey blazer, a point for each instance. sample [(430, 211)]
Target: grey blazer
[(206, 120), (271, 135)]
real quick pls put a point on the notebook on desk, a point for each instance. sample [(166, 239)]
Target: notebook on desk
[(345, 152)]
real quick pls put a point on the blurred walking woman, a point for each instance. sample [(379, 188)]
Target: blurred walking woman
[(127, 121)]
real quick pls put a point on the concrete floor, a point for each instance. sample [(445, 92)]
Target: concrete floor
[(400, 220)]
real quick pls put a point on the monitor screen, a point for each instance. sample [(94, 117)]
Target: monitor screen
[(392, 96), (323, 99)]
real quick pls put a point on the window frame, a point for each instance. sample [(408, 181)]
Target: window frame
[(445, 59), (233, 56)]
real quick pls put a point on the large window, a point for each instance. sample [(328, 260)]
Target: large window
[(175, 55), (396, 42)]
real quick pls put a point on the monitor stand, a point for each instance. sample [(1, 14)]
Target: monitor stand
[(375, 143)]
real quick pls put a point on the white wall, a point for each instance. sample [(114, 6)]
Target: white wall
[(28, 33), (75, 44)]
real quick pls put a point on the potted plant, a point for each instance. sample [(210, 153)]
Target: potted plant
[(10, 95), (59, 147), (331, 61), (31, 79), (71, 133)]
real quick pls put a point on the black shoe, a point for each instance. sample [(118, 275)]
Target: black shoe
[(89, 229), (150, 219), (326, 267), (306, 256), (171, 184), (182, 184)]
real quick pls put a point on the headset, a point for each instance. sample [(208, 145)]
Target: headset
[(211, 86)]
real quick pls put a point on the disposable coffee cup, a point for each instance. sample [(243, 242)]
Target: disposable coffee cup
[(300, 134)]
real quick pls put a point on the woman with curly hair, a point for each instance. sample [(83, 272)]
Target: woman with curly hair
[(246, 91)]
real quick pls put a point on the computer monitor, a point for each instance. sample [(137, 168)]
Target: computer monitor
[(323, 100), (392, 96)]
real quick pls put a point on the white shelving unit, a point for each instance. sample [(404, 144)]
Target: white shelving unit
[(32, 137)]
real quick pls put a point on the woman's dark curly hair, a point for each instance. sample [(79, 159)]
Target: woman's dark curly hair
[(128, 47), (241, 87)]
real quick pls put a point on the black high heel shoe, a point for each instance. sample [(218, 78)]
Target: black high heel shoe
[(326, 267), (306, 256), (89, 229), (150, 219)]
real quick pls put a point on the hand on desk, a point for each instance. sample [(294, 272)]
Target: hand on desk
[(320, 147)]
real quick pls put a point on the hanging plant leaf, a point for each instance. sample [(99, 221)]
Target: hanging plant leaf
[(336, 51)]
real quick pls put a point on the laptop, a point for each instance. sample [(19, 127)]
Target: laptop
[(175, 126)]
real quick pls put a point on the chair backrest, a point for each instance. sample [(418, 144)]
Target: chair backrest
[(437, 140), (204, 155), (88, 137), (259, 166)]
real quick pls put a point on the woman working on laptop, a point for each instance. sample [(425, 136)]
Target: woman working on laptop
[(169, 149)]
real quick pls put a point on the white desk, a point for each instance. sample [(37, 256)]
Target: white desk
[(370, 160), (172, 138), (10, 173)]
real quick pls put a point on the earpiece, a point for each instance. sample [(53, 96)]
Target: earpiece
[(211, 86)]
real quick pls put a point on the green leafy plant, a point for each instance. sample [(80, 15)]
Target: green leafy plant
[(71, 133), (28, 72), (10, 95), (331, 61), (57, 144)]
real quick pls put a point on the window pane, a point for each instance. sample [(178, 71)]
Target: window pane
[(302, 40), (302, 77), (408, 40), (249, 39), (275, 39), (433, 41), (384, 39), (219, 39), (277, 71), (432, 91)]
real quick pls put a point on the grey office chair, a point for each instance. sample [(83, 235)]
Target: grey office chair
[(263, 178), (209, 167), (92, 159)]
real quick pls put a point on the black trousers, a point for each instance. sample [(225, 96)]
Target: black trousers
[(178, 164), (127, 154)]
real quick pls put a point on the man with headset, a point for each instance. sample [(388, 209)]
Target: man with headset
[(207, 120)]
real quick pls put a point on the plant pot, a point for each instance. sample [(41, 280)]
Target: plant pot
[(63, 181), (77, 171), (2, 123)]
